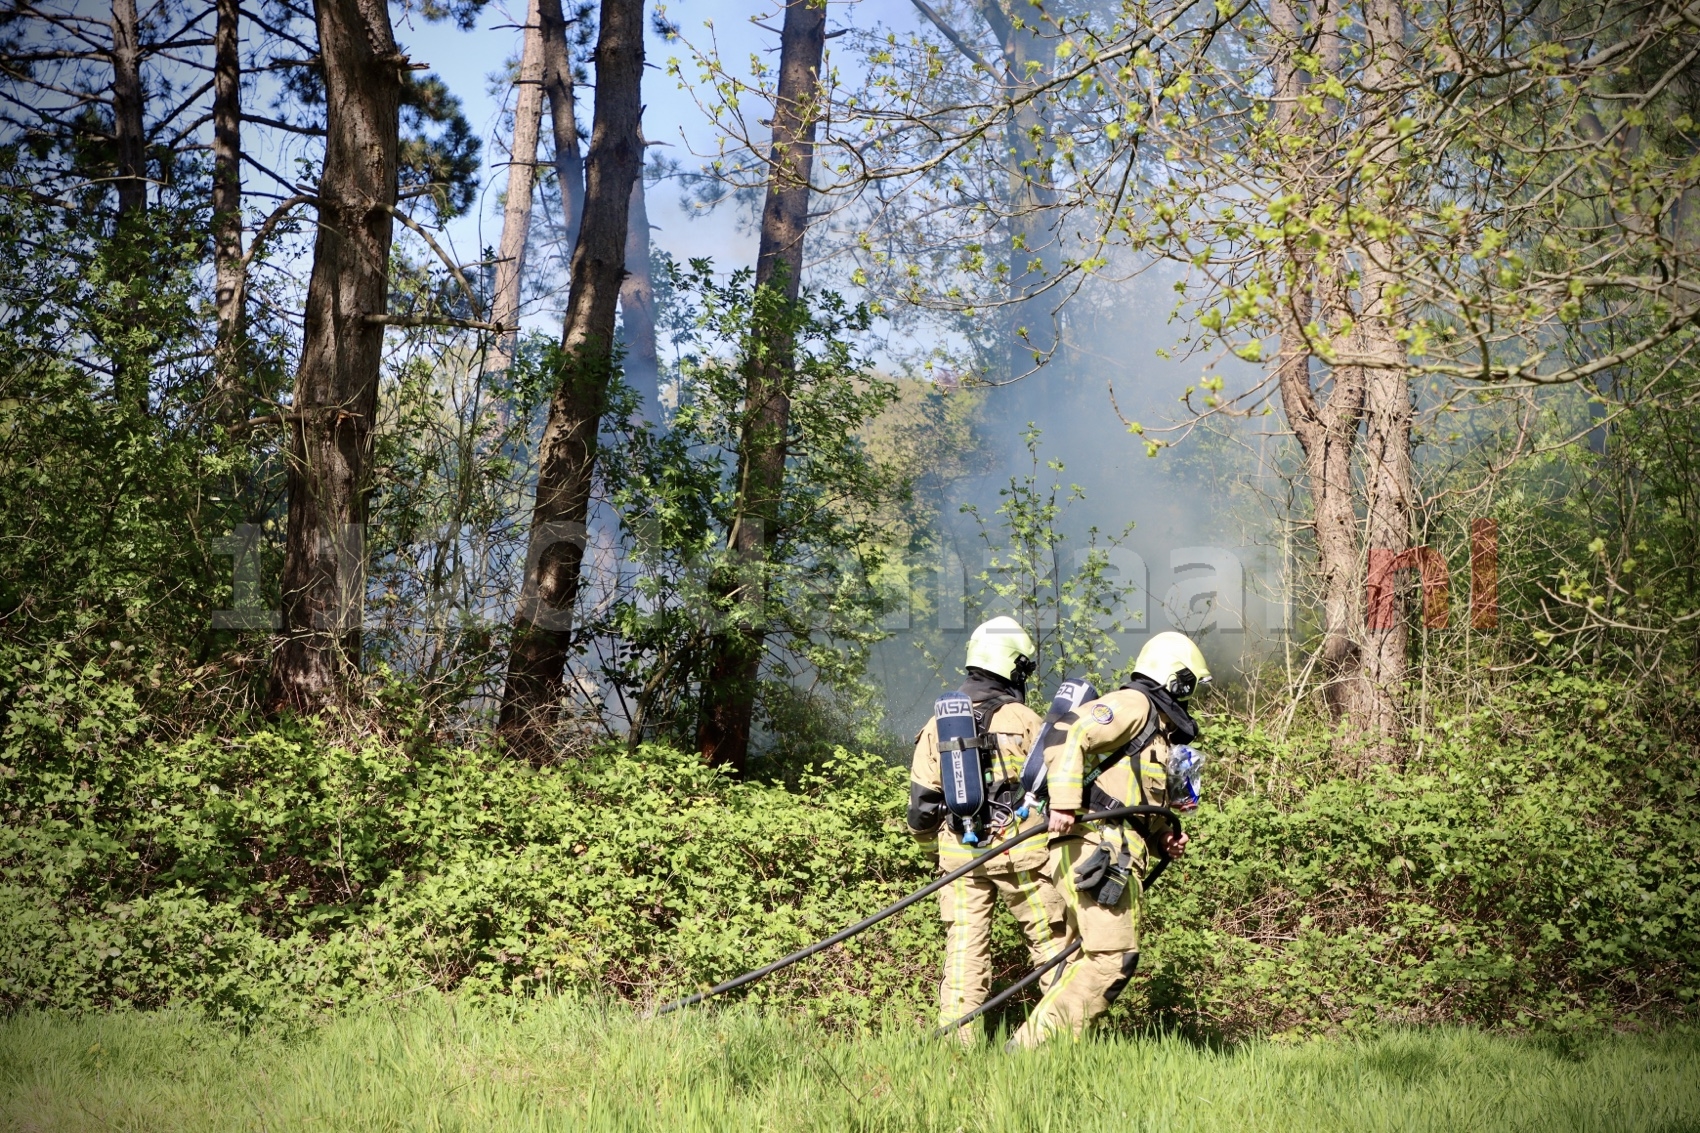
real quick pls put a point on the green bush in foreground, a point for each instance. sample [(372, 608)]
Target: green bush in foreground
[(1537, 865), (286, 870), (574, 1065)]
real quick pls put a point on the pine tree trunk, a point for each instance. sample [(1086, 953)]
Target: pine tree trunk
[(336, 384), (230, 282), (729, 692), (543, 623), (129, 133), (131, 253), (516, 212), (637, 309), (563, 110)]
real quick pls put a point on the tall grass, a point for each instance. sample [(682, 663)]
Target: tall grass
[(573, 1065)]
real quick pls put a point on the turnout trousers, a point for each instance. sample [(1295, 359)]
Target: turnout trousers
[(966, 906), (1109, 945)]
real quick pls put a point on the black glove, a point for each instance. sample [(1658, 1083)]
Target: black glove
[(1103, 876), (1092, 870)]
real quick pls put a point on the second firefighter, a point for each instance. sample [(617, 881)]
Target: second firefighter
[(1118, 750)]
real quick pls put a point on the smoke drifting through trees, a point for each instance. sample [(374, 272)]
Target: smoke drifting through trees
[(1394, 214), (1337, 301), (567, 454), (729, 694)]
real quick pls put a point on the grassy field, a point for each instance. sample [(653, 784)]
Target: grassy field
[(565, 1066)]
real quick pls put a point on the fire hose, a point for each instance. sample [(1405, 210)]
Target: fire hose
[(1039, 973), (891, 910)]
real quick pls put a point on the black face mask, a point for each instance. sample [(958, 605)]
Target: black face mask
[(1182, 728)]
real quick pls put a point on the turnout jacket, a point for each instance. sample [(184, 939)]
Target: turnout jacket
[(1013, 728), (1091, 736)]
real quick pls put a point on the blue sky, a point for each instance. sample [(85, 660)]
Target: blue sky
[(467, 60)]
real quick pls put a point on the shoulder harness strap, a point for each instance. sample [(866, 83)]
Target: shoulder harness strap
[(983, 713), (1127, 751)]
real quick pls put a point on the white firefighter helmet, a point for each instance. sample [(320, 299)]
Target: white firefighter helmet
[(1001, 646), (1173, 661)]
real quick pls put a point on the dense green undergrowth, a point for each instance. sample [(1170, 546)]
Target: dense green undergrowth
[(287, 869), (572, 1065), (1537, 863), (1534, 865)]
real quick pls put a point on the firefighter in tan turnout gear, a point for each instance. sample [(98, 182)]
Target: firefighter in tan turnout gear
[(1112, 752), (1000, 658)]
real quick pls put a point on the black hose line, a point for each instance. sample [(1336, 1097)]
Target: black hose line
[(998, 999), (890, 910), (1039, 973)]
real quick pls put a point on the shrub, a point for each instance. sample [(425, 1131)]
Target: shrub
[(289, 868), (1534, 866)]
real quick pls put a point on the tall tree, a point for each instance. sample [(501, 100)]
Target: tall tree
[(637, 306), (1024, 336), (542, 634), (130, 245), (129, 131), (1388, 416), (522, 171), (336, 383), (1462, 217), (1324, 417), (563, 115), (1030, 245), (728, 710), (230, 282)]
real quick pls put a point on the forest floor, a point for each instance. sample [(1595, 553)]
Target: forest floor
[(569, 1065)]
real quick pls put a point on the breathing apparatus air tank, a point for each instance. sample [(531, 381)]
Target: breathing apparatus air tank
[(961, 769), (1071, 694)]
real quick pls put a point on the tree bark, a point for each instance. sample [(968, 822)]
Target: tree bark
[(1389, 485), (1326, 429), (543, 623), (230, 282), (1389, 489), (336, 384), (131, 256), (1332, 437), (723, 729), (1028, 333), (128, 130), (563, 110), (516, 211), (637, 309)]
